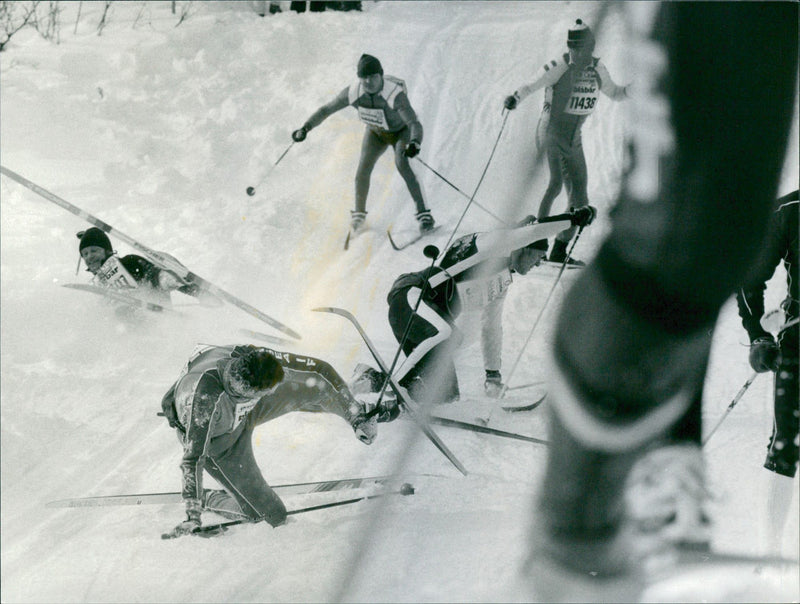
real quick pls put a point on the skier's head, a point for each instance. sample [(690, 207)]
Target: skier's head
[(580, 41), (524, 259), (94, 248), (254, 373), (370, 72)]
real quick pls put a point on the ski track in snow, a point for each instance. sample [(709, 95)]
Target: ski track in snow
[(158, 130)]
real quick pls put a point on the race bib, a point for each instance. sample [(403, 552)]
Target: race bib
[(373, 117), (584, 95), (113, 274), (479, 293), (241, 411)]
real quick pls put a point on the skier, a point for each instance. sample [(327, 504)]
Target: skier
[(128, 272), (383, 105), (220, 397), (781, 357), (572, 85), (474, 272), (633, 338)]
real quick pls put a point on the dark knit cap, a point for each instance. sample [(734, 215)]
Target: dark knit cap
[(580, 35), (368, 65), (94, 236)]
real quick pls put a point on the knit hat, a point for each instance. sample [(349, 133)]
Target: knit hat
[(580, 35), (368, 65), (96, 237)]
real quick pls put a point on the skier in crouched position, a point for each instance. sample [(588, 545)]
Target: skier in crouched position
[(220, 397), (474, 272), (383, 105)]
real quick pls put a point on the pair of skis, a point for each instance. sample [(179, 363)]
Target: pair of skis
[(396, 246), (161, 259)]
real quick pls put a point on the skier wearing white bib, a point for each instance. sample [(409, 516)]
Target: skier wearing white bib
[(572, 84), (383, 105), (128, 272)]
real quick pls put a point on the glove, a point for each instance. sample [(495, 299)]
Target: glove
[(511, 102), (168, 409), (192, 522), (366, 429), (582, 217), (299, 135), (764, 354), (493, 385), (412, 149)]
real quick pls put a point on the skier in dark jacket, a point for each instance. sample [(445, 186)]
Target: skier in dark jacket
[(476, 268), (383, 105), (128, 272), (780, 357), (220, 397)]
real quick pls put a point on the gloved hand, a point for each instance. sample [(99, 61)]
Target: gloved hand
[(764, 354), (511, 102), (412, 149), (582, 217), (366, 429), (168, 409), (493, 385), (192, 522), (299, 135)]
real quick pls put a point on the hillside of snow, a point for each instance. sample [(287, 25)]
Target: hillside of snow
[(157, 130)]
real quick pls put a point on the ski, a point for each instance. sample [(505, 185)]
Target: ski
[(212, 530), (284, 490), (557, 265), (526, 407), (412, 413), (119, 296), (400, 247), (454, 423), (161, 259), (262, 336)]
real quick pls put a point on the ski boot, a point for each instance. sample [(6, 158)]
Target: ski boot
[(426, 222), (357, 219), (493, 385), (559, 254), (366, 379)]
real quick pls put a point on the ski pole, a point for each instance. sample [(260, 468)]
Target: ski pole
[(492, 214), (735, 400), (252, 190), (405, 489), (541, 312)]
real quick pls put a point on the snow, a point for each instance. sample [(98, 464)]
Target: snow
[(157, 129)]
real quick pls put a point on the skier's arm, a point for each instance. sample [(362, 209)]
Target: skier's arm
[(197, 423), (547, 75), (320, 115), (403, 107), (607, 85)]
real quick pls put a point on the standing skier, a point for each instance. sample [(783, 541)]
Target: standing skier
[(383, 105), (780, 357), (633, 336), (220, 397), (572, 85), (131, 271), (474, 272)]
